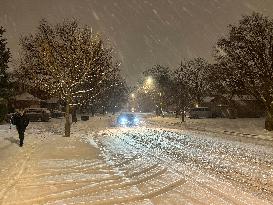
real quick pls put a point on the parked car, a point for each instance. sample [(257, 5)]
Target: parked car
[(57, 114), (200, 112), (127, 119), (38, 114)]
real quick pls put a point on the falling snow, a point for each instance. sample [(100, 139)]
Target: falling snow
[(192, 27)]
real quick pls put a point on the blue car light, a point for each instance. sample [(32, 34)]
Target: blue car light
[(136, 120), (123, 121), (128, 120)]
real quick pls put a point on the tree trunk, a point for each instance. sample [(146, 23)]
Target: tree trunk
[(67, 120), (269, 119), (74, 114), (157, 112), (231, 108), (183, 114), (92, 110), (176, 113)]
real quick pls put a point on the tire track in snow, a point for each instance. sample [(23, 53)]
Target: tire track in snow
[(213, 190), (202, 160), (87, 190)]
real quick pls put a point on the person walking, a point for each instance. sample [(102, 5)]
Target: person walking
[(21, 121)]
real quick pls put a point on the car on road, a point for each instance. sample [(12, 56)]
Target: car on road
[(200, 112), (57, 114), (127, 119)]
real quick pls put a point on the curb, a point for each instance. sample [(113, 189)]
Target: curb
[(248, 135), (255, 136)]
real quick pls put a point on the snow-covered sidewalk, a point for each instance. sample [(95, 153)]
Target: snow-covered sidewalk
[(246, 127), (49, 165)]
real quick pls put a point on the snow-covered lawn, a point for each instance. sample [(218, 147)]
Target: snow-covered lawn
[(249, 127)]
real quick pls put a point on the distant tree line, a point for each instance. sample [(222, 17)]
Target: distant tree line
[(243, 65)]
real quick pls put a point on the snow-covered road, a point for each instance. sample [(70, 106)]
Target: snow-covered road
[(190, 168), (99, 164)]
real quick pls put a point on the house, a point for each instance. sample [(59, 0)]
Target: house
[(25, 100), (52, 104), (241, 106)]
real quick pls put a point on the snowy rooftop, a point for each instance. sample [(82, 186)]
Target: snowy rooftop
[(26, 96), (235, 98)]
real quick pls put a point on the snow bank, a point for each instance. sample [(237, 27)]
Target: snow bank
[(248, 127)]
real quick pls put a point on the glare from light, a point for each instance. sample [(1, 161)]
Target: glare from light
[(136, 120), (123, 121), (149, 80)]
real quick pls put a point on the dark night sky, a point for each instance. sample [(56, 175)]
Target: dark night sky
[(143, 32)]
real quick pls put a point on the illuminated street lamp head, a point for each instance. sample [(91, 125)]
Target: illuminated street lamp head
[(133, 95), (149, 80)]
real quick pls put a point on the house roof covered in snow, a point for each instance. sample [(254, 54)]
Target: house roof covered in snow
[(26, 96), (235, 98), (208, 99), (240, 97), (243, 97)]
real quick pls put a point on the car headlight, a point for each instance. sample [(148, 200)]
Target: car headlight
[(123, 121), (136, 120)]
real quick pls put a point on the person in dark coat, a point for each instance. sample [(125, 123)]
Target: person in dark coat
[(21, 121)]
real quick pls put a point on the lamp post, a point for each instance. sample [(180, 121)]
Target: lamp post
[(133, 102), (160, 102), (150, 85)]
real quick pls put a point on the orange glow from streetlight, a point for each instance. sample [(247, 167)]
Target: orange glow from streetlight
[(149, 80)]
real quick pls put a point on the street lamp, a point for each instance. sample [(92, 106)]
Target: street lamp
[(149, 80), (133, 102), (148, 84)]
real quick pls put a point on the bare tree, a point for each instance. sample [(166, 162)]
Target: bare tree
[(62, 59), (245, 57)]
